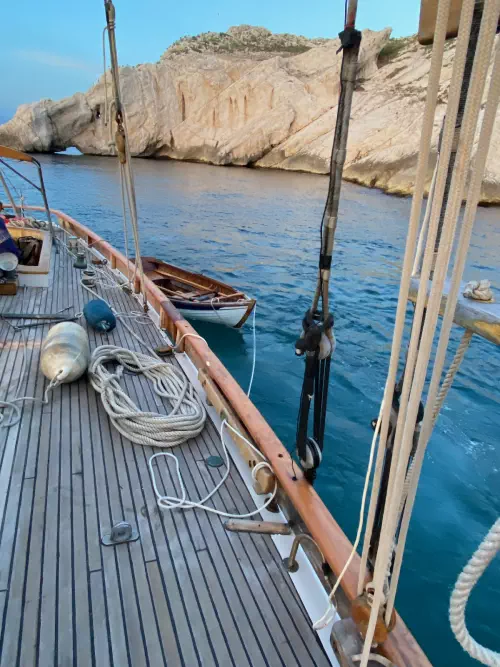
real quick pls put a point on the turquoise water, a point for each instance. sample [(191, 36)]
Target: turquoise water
[(259, 231)]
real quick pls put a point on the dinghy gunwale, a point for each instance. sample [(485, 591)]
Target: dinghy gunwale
[(190, 278)]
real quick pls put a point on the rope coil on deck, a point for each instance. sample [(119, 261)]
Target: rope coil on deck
[(185, 420)]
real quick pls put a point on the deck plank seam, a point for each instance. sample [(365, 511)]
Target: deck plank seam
[(100, 446), (133, 392), (15, 535), (76, 390), (126, 465), (148, 330), (289, 584)]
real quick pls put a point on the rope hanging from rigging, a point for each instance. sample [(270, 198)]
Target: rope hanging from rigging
[(401, 390), (317, 342), (122, 144), (475, 40)]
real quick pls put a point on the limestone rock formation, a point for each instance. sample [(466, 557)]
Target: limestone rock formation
[(250, 97)]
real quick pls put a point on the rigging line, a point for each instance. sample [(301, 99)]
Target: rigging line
[(329, 613), (317, 341), (457, 194), (122, 143), (460, 260), (125, 227), (414, 224), (12, 185), (464, 586), (25, 178), (428, 208), (104, 76), (469, 61)]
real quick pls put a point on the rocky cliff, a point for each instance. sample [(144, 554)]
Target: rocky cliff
[(250, 97)]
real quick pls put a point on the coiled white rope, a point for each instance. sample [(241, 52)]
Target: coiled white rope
[(466, 581), (479, 290), (186, 418)]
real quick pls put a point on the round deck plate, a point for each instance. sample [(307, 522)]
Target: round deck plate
[(214, 461)]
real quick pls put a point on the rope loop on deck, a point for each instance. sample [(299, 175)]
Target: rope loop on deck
[(167, 502)]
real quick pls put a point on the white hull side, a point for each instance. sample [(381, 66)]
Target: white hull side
[(227, 316)]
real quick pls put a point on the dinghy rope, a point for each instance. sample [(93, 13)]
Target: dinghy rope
[(407, 433)]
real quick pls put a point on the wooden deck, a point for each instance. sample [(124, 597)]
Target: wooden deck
[(186, 593)]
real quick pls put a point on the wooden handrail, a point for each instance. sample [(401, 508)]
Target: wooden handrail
[(400, 647)]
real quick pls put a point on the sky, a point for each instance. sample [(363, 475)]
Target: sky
[(54, 48)]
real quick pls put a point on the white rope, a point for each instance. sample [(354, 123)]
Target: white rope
[(126, 174), (173, 502), (451, 373), (125, 229), (457, 195), (254, 359), (466, 581), (423, 230), (375, 657), (419, 354), (416, 207), (186, 418), (104, 76), (330, 611), (12, 404), (479, 290), (16, 417)]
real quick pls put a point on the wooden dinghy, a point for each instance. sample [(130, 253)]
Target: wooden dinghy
[(199, 297)]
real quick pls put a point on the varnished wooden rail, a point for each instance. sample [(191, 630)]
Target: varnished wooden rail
[(400, 647)]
